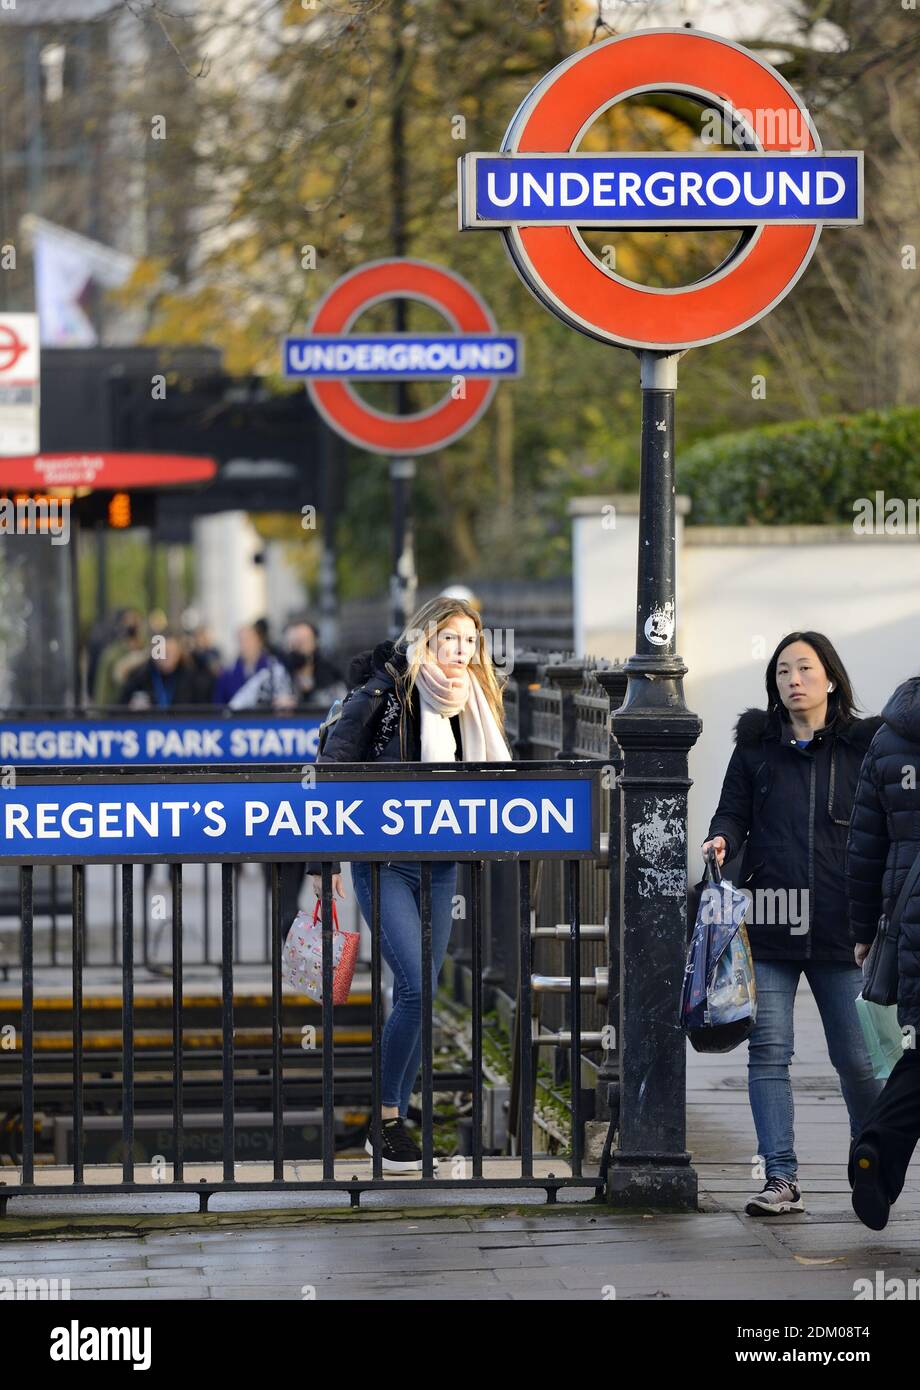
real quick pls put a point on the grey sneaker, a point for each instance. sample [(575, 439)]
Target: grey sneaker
[(779, 1195)]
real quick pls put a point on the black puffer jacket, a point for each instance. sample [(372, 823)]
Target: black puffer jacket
[(378, 722), (789, 808), (885, 839)]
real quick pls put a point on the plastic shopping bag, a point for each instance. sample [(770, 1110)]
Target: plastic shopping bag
[(882, 1032), (719, 997), (302, 957)]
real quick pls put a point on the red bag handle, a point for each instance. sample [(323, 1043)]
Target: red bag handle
[(335, 915)]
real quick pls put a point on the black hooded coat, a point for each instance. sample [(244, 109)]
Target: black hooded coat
[(884, 840), (788, 809)]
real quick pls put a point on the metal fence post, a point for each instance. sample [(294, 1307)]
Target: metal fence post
[(500, 888), (568, 677), (613, 682), (526, 676)]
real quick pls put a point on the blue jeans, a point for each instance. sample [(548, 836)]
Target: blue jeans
[(835, 985), (401, 947)]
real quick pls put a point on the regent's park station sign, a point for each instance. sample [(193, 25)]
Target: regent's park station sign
[(180, 741), (411, 813)]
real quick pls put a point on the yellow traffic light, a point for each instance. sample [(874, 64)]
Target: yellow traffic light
[(120, 510)]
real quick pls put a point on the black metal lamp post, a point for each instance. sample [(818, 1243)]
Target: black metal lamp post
[(656, 730)]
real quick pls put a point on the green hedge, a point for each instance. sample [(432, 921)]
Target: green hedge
[(808, 471)]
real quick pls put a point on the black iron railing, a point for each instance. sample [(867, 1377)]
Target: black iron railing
[(278, 1057)]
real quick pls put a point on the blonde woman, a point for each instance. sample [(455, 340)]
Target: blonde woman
[(431, 696)]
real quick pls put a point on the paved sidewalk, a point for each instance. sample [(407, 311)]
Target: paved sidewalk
[(504, 1249)]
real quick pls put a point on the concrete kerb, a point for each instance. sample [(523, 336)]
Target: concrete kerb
[(114, 1225)]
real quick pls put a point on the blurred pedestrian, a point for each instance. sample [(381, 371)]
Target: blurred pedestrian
[(204, 653), (168, 679), (253, 657), (120, 657), (263, 628), (302, 678)]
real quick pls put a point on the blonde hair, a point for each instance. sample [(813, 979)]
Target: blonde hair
[(427, 621)]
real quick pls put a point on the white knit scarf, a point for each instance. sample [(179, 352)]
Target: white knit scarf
[(440, 698)]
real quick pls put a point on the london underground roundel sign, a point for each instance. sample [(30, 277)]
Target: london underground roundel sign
[(778, 190), (472, 355)]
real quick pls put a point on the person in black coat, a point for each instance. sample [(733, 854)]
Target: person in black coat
[(883, 843), (379, 722), (785, 804), (171, 678), (433, 697)]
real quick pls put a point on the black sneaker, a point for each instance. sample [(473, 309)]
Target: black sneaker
[(870, 1200), (779, 1195), (399, 1151)]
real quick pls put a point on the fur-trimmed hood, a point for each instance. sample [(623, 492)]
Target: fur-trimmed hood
[(755, 725)]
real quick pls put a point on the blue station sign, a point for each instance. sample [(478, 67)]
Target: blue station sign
[(669, 190), (402, 356), (177, 742), (458, 816)]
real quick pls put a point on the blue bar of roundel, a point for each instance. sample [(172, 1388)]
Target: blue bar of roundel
[(532, 209), (250, 818), (168, 743), (451, 343)]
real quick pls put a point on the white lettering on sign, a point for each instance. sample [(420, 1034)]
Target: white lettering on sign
[(461, 817), (662, 188), (66, 745), (183, 743), (442, 818), (272, 743), (179, 744), (446, 356)]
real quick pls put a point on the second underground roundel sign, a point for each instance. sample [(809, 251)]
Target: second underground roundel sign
[(779, 190), (330, 356)]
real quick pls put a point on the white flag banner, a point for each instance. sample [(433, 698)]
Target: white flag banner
[(66, 266)]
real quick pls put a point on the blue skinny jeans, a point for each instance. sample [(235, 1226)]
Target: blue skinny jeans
[(401, 947), (835, 985)]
